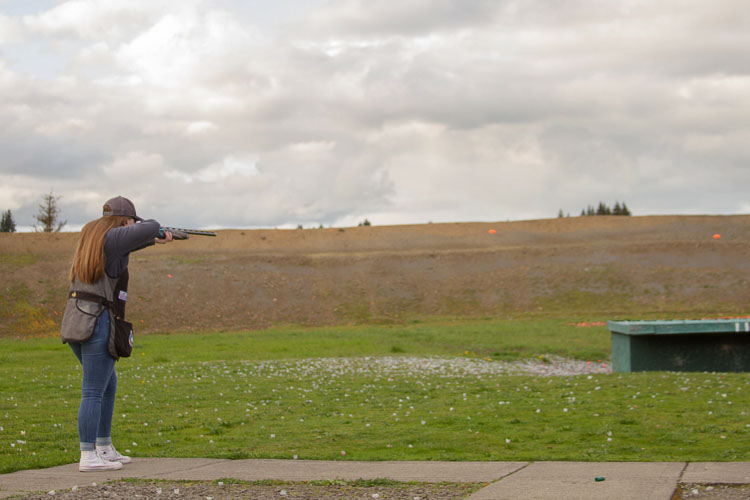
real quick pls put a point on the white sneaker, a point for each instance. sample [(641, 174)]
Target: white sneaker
[(111, 454), (92, 461)]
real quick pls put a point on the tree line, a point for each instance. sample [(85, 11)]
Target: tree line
[(602, 209), (48, 217)]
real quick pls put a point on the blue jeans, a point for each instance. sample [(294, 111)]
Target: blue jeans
[(98, 388)]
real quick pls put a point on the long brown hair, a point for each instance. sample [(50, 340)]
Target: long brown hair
[(89, 260)]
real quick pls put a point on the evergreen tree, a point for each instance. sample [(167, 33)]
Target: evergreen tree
[(560, 214), (7, 224), (49, 214), (603, 209)]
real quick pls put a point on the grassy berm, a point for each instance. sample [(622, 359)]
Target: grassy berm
[(581, 267)]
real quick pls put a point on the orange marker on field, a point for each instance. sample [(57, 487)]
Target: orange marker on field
[(717, 236), (492, 231)]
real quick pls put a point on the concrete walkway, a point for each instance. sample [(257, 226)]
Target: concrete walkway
[(507, 480)]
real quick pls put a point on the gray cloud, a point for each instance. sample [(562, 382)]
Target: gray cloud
[(359, 18)]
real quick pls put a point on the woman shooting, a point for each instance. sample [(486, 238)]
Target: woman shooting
[(94, 325)]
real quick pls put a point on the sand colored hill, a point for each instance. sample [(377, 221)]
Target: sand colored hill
[(667, 266)]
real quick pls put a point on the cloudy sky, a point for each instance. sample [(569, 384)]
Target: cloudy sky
[(248, 113)]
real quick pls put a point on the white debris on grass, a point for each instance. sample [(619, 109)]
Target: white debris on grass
[(393, 366)]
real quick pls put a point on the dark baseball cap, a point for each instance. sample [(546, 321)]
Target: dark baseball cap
[(120, 206)]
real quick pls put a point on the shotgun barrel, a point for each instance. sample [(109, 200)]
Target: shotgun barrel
[(179, 233)]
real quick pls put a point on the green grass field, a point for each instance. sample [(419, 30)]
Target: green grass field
[(422, 391)]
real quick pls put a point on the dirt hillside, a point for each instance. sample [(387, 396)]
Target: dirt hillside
[(581, 267)]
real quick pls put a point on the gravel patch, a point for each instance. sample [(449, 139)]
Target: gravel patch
[(713, 492), (198, 490), (413, 366)]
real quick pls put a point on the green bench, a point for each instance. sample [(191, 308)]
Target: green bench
[(714, 345)]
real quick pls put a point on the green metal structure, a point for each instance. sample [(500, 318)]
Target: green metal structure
[(714, 345)]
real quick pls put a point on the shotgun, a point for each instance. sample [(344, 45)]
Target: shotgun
[(179, 233)]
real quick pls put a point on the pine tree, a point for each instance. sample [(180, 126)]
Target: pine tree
[(7, 224), (603, 209), (560, 214), (49, 214)]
